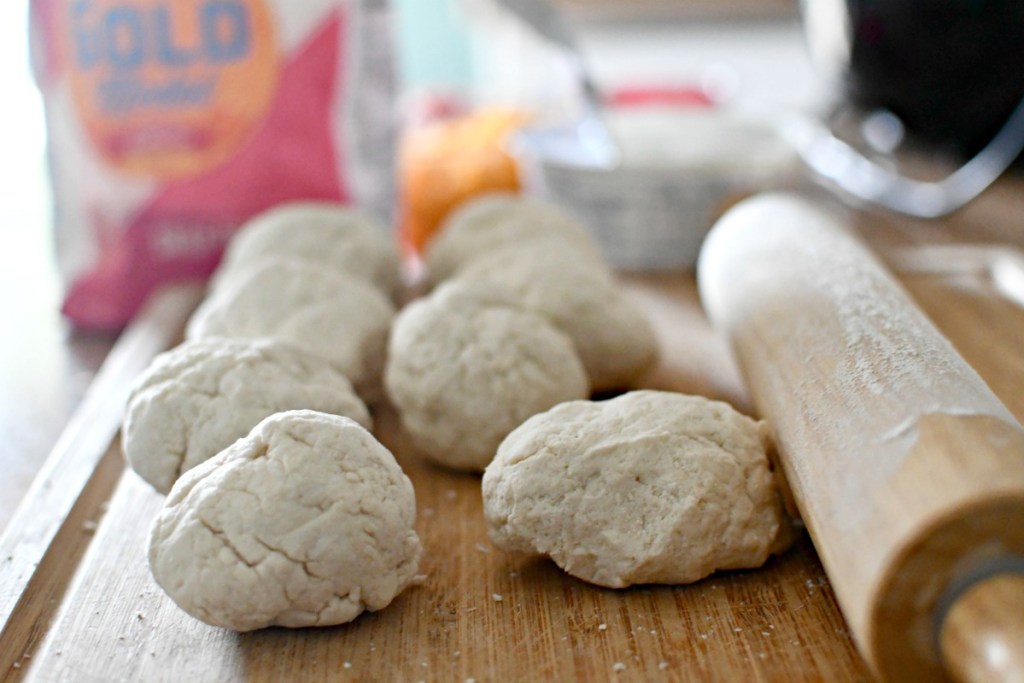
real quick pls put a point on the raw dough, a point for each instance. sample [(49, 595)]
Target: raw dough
[(337, 236), (198, 398), (482, 225), (334, 315), (583, 299), (649, 487), (465, 367), (307, 521)]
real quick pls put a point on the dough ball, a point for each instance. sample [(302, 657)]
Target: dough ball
[(196, 399), (649, 487), (336, 316), (482, 225), (307, 521), (582, 298), (466, 367), (339, 237)]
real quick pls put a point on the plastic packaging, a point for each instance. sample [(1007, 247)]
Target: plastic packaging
[(171, 122)]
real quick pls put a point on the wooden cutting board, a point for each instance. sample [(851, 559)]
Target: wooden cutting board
[(91, 612)]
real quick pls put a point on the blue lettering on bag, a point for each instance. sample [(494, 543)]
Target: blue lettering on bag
[(128, 36), (231, 18)]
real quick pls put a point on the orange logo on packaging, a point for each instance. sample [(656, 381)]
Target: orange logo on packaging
[(169, 88)]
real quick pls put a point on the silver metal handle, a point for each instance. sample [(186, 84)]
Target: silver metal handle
[(845, 169)]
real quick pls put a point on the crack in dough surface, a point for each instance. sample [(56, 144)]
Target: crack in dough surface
[(467, 366), (274, 531), (332, 314), (579, 296), (196, 399), (649, 487)]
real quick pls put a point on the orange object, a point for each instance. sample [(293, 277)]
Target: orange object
[(444, 163)]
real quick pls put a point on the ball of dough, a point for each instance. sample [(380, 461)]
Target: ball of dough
[(482, 225), (336, 316), (337, 236), (466, 367), (614, 339), (307, 521), (196, 399), (649, 487)]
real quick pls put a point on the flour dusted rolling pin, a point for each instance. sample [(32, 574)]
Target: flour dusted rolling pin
[(907, 470)]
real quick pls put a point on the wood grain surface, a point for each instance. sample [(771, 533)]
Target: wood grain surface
[(979, 637), (907, 468), (41, 547), (479, 613)]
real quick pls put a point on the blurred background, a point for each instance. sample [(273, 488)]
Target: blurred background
[(665, 70), (604, 24), (34, 395), (715, 45), (24, 210)]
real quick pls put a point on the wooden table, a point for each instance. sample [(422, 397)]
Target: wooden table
[(90, 612)]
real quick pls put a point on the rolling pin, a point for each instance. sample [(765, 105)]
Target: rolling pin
[(906, 469)]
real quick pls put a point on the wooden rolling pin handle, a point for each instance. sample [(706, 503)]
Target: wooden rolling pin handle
[(982, 634)]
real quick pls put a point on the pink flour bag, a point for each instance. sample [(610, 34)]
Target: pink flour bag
[(171, 122)]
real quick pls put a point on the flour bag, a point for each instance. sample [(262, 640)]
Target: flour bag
[(171, 122)]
